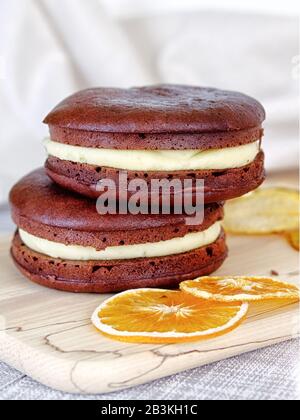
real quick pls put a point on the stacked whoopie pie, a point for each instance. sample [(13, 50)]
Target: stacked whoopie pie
[(160, 132)]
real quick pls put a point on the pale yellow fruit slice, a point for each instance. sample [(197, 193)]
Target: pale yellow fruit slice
[(271, 210)]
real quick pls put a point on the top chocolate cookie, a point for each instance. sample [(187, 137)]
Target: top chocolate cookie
[(163, 132), (157, 109)]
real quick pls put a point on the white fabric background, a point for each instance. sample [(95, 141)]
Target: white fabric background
[(51, 48)]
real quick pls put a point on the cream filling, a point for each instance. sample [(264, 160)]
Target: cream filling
[(156, 160), (149, 250)]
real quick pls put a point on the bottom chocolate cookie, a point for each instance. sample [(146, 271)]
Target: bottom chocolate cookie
[(117, 275), (64, 243)]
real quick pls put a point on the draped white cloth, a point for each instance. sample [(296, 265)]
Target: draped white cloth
[(51, 48)]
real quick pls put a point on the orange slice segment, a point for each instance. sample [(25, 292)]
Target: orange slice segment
[(264, 211), (164, 316), (236, 289)]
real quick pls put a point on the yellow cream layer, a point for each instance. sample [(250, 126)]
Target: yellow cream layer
[(156, 160), (149, 250)]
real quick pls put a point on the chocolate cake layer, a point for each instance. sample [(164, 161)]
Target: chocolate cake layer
[(155, 141), (220, 185), (114, 276), (157, 109)]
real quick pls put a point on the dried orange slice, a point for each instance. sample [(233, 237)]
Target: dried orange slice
[(293, 238), (270, 210), (236, 289), (164, 316)]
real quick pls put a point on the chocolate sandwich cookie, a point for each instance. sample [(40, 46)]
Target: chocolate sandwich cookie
[(157, 132), (63, 242)]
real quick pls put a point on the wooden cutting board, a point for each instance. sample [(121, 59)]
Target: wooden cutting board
[(48, 335)]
